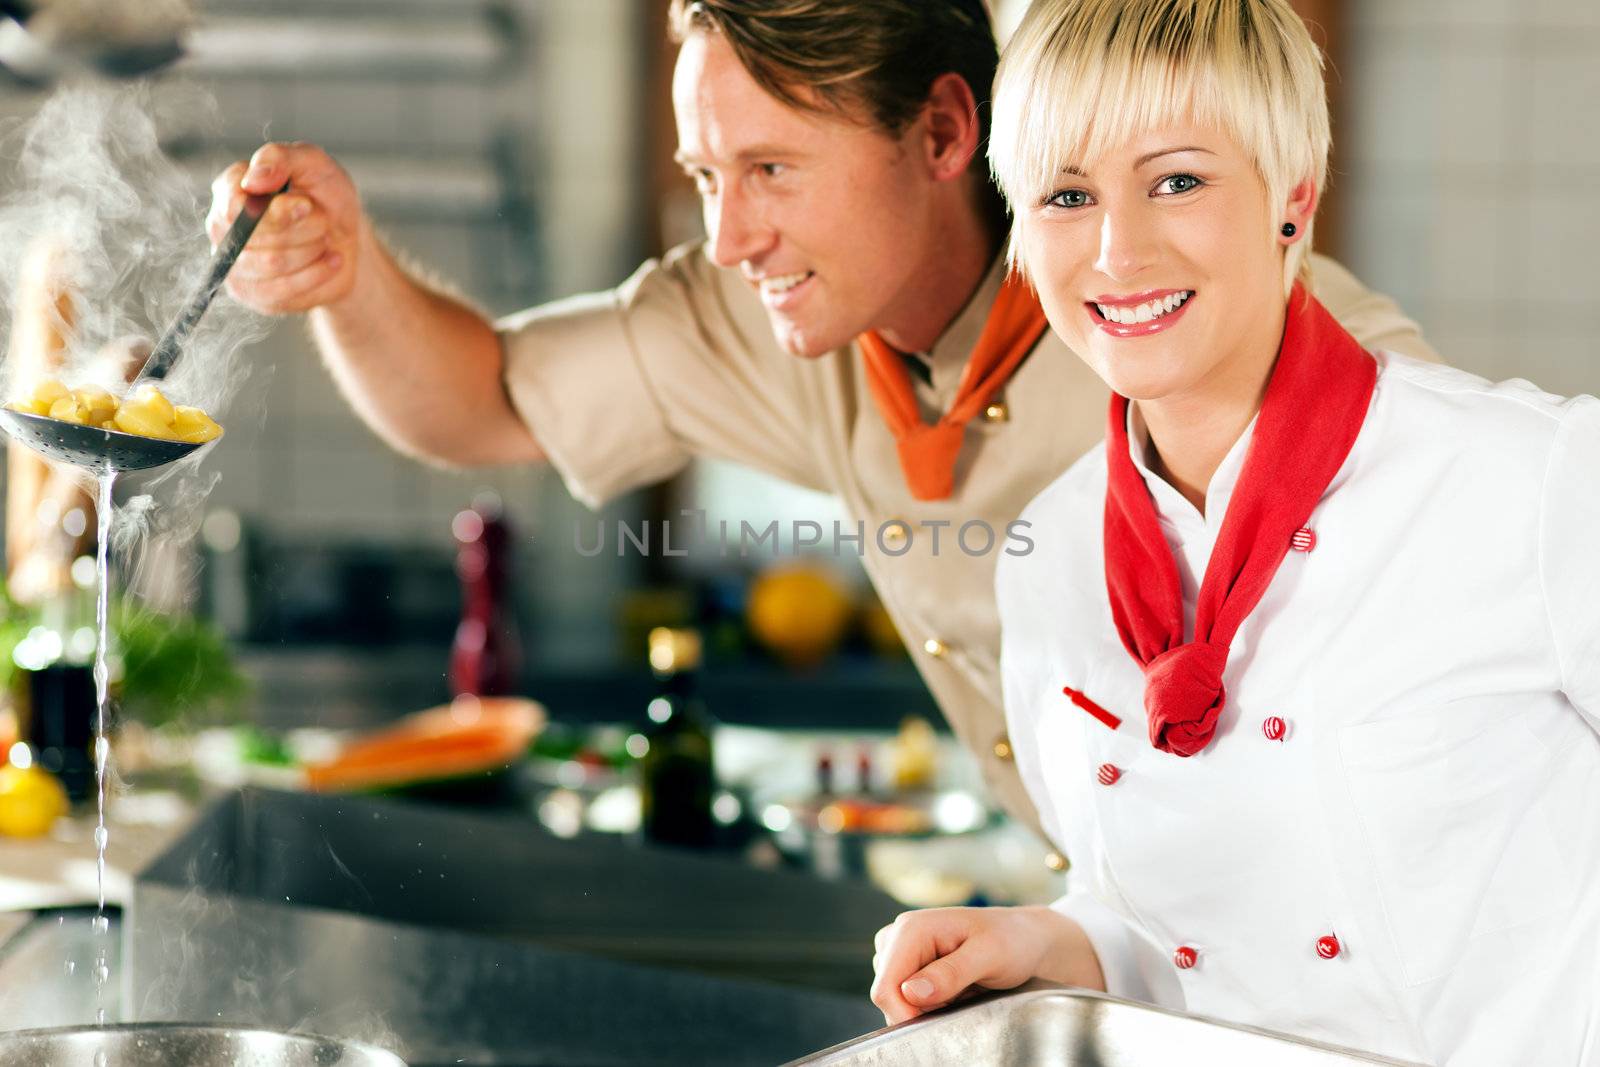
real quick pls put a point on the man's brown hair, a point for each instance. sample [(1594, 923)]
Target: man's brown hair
[(849, 56)]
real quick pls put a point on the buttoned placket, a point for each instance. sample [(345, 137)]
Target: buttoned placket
[(1192, 535)]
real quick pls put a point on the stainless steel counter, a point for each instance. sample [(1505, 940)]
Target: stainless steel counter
[(462, 938)]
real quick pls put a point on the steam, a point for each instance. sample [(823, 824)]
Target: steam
[(91, 189)]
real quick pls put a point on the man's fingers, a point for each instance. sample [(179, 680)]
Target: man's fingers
[(293, 225), (288, 292), (226, 199), (296, 163), (274, 263)]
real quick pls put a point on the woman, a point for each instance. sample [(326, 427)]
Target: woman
[(1304, 671)]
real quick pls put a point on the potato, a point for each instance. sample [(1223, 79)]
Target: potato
[(195, 426), (67, 410), (95, 401), (146, 411), (48, 392), (138, 418), (147, 395)]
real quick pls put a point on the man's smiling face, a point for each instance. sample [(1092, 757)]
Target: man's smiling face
[(823, 214)]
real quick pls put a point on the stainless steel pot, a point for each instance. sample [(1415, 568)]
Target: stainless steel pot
[(182, 1045)]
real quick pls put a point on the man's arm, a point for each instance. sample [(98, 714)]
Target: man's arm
[(421, 368)]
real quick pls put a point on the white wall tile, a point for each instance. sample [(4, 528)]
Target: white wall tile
[(1410, 14), (1566, 365), (1565, 14), (1413, 102), (1563, 232), (1563, 113)]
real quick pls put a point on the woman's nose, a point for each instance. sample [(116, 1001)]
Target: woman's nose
[(1125, 244)]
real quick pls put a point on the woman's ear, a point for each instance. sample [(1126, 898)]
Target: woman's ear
[(951, 128), (1298, 212)]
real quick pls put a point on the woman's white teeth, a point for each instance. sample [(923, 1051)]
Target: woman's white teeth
[(1154, 309), (783, 282)]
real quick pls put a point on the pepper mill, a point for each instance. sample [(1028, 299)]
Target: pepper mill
[(486, 656)]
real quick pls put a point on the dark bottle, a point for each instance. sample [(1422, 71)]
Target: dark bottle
[(676, 776), (55, 687), (486, 656)]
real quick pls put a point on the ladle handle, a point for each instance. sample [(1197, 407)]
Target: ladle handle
[(165, 353)]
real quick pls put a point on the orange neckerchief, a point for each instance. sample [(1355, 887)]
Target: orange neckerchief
[(928, 453)]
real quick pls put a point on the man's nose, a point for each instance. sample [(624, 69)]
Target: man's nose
[(736, 233), (1126, 243)]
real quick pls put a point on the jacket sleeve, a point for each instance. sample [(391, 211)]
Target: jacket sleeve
[(1135, 968), (623, 388), (1569, 553)]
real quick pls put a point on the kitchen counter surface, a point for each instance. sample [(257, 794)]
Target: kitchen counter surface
[(58, 869)]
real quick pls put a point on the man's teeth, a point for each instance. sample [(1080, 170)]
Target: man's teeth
[(1132, 316), (784, 282)]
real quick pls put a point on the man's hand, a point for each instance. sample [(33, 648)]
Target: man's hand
[(926, 959), (306, 250)]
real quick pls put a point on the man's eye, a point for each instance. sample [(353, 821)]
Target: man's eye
[(1068, 198), (703, 180), (770, 170), (1179, 183)]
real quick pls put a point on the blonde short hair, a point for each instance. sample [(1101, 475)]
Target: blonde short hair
[(1080, 77)]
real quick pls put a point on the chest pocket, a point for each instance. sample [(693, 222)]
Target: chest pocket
[(1452, 810)]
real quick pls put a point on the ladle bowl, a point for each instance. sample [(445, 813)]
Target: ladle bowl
[(105, 451), (89, 447)]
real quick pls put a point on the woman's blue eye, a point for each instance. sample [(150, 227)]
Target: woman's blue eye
[(1068, 198), (1181, 183)]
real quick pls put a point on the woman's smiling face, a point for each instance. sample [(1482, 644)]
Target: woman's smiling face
[(1160, 261)]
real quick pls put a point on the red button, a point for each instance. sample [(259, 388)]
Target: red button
[(1275, 728), (1185, 958), (1328, 947), (1304, 539), (1109, 773)]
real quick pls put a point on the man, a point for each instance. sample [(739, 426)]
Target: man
[(849, 294)]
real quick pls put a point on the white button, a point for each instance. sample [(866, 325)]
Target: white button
[(895, 531), (997, 412), (935, 647)]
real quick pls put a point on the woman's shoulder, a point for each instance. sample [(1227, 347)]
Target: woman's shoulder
[(1445, 391), (1505, 433)]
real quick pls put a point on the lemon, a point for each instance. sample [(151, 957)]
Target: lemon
[(799, 613), (30, 801)]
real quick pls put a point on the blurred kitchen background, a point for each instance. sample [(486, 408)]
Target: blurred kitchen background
[(521, 149)]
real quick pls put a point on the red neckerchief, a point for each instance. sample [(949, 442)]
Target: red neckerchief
[(1309, 420)]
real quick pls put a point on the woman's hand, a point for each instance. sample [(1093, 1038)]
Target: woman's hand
[(926, 959), (304, 252)]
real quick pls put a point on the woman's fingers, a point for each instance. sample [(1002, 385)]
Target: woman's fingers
[(915, 940), (947, 977)]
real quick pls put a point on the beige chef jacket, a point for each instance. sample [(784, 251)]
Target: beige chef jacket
[(622, 388)]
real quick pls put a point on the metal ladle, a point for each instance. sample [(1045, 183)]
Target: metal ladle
[(104, 451)]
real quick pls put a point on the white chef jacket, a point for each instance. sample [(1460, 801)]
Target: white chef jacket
[(1434, 804)]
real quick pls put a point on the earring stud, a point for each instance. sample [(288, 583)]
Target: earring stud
[(1289, 230)]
